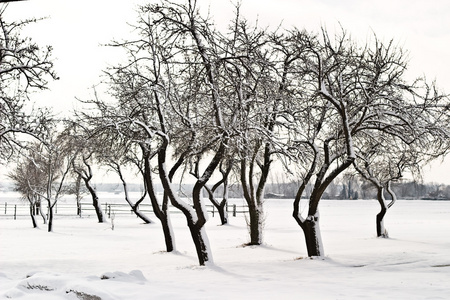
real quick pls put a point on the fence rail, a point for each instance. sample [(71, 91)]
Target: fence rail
[(117, 209)]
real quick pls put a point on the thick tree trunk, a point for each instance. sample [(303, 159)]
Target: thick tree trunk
[(95, 202), (311, 230), (223, 213), (381, 230), (168, 233), (255, 224), (254, 199), (201, 244), (161, 212)]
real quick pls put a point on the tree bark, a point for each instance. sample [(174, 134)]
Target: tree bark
[(41, 212), (162, 212), (140, 214), (168, 233), (33, 219), (313, 239), (223, 213), (134, 206), (221, 207), (201, 243), (32, 211), (95, 202), (255, 224), (254, 198), (50, 217), (381, 230)]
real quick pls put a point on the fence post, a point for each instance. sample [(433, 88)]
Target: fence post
[(6, 205), (109, 211), (213, 211), (234, 210), (15, 211)]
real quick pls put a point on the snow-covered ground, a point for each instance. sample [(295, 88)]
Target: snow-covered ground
[(83, 259)]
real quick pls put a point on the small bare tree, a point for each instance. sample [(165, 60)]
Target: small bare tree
[(52, 160), (383, 161), (25, 176)]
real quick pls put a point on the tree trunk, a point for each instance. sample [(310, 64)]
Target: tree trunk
[(221, 207), (255, 224), (168, 233), (41, 211), (50, 217), (140, 214), (223, 213), (254, 199), (33, 219), (95, 202), (381, 231), (311, 230), (201, 243), (162, 212)]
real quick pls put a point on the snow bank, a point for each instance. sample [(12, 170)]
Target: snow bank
[(83, 259)]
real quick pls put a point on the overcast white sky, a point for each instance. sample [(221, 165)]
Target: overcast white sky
[(77, 30)]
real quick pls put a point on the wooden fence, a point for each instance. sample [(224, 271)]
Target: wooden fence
[(117, 209)]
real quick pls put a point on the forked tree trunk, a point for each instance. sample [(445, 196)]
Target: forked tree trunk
[(196, 231), (32, 212), (221, 207), (254, 194), (195, 216), (134, 206), (313, 238), (161, 212), (310, 225)]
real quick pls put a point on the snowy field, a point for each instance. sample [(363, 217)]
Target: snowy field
[(83, 259)]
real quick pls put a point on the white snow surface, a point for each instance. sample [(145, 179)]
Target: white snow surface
[(83, 259)]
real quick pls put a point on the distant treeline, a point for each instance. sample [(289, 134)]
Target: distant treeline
[(355, 189), (343, 189)]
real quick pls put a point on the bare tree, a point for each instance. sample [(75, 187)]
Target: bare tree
[(86, 146), (24, 67), (171, 94), (52, 160), (384, 161), (350, 94), (122, 153), (25, 176), (83, 167)]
